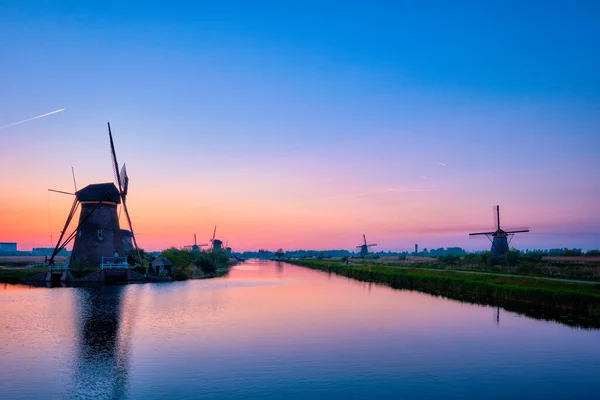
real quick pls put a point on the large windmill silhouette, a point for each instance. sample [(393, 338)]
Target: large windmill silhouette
[(98, 234), (364, 248), (499, 238)]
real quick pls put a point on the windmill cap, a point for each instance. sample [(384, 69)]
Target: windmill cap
[(99, 192)]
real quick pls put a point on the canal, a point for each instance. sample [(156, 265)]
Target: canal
[(275, 331)]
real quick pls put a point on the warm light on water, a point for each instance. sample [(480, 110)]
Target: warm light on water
[(274, 331)]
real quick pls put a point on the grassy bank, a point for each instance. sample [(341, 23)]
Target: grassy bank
[(14, 275), (539, 298)]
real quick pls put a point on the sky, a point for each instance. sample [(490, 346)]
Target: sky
[(303, 125)]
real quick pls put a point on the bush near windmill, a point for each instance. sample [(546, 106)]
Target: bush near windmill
[(196, 264)]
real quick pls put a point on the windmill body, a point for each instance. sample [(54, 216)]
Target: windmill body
[(98, 234), (364, 248), (500, 238)]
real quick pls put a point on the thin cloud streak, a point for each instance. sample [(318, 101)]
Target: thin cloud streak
[(442, 164), (32, 118)]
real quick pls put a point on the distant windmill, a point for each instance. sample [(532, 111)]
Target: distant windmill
[(364, 248), (499, 238), (216, 243), (98, 233), (195, 246)]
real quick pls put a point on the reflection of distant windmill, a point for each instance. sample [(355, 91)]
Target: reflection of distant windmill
[(364, 248), (216, 243), (195, 246), (499, 237)]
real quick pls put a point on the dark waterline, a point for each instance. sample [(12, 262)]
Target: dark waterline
[(271, 331)]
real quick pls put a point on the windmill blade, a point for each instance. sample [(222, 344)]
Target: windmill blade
[(195, 243), (137, 249), (60, 191), (518, 231), (497, 217), (481, 233), (115, 163), (124, 179), (371, 245), (74, 181), (214, 234), (365, 239)]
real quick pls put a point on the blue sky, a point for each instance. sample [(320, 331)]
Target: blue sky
[(330, 98)]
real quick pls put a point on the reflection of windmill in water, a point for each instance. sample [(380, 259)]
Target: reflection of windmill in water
[(499, 238), (364, 248), (98, 233), (195, 246), (105, 329)]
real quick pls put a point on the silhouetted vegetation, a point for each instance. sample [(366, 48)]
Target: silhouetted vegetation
[(187, 263)]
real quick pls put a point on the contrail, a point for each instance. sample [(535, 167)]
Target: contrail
[(30, 119)]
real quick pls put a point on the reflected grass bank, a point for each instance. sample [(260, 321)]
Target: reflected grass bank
[(573, 304)]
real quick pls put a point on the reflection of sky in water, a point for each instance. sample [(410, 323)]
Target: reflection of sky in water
[(269, 331)]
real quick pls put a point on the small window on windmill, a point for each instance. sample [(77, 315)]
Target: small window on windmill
[(100, 234)]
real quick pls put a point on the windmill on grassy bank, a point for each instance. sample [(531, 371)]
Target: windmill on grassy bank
[(98, 233), (364, 248), (216, 243), (195, 246), (499, 238)]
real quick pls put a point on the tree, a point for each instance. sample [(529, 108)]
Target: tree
[(279, 254), (511, 257), (179, 258)]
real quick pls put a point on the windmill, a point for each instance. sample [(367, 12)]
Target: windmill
[(98, 233), (499, 238), (195, 246), (216, 243), (364, 248)]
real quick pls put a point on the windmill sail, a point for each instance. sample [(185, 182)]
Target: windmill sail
[(124, 179), (123, 185)]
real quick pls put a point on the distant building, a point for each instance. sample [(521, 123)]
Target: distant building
[(6, 246), (162, 266)]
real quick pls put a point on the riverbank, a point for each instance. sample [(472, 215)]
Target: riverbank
[(573, 268), (548, 299), (14, 275)]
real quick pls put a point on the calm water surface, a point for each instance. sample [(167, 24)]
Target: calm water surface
[(277, 331)]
